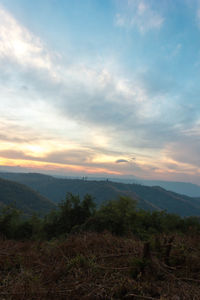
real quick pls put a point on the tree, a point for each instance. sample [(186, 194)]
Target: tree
[(71, 213), (9, 220), (116, 216)]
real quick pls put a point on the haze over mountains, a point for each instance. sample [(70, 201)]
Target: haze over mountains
[(149, 198), (185, 188)]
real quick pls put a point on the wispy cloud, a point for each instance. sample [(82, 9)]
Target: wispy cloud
[(194, 5), (139, 14), (18, 44)]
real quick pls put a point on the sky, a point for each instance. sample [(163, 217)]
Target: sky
[(101, 87)]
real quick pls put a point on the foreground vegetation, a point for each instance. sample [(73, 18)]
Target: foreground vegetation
[(120, 217), (101, 266), (113, 252)]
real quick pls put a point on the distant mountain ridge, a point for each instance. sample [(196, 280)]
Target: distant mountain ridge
[(25, 199), (149, 198), (185, 188)]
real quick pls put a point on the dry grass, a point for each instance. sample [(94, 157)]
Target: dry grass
[(100, 266)]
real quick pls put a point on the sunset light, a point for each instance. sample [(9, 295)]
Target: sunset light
[(111, 90)]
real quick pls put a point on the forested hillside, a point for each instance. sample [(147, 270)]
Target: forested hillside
[(149, 198), (24, 198)]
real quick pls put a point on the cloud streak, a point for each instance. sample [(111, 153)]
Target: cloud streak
[(139, 14)]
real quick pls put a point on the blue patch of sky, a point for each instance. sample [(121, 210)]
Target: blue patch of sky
[(87, 29)]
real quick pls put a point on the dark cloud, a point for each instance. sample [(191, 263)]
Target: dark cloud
[(12, 139), (157, 85), (20, 137), (118, 161), (72, 156), (15, 154)]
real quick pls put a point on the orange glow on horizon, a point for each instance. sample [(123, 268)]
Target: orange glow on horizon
[(48, 166)]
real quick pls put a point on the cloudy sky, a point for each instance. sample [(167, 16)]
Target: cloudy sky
[(101, 87)]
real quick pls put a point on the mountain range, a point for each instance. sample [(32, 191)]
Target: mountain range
[(149, 198), (186, 188)]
